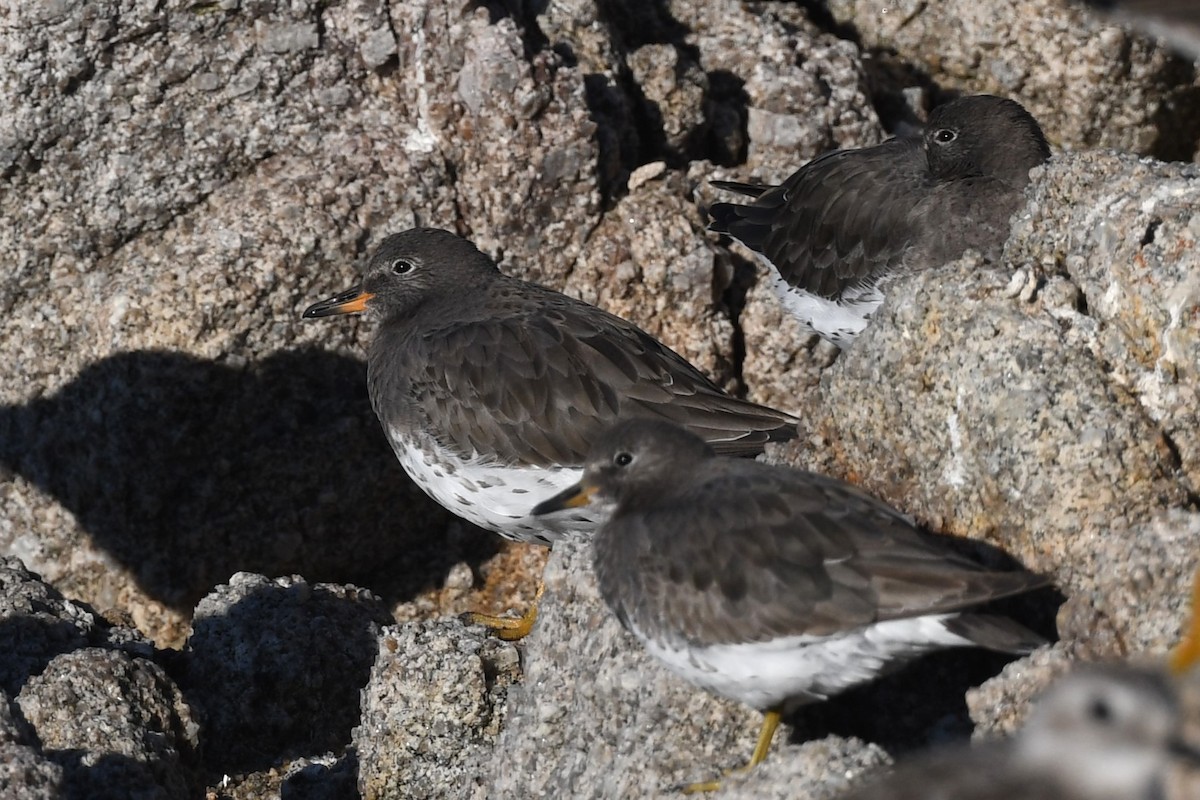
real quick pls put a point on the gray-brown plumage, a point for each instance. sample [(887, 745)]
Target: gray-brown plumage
[(843, 225), (491, 389), (1101, 733), (770, 585)]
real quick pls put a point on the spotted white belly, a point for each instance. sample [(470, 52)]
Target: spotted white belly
[(839, 321), (495, 496), (801, 669)]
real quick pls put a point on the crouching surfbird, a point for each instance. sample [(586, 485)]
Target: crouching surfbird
[(491, 389), (769, 585), (846, 223)]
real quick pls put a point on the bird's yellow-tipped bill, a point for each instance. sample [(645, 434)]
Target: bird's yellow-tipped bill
[(351, 301), (575, 496)]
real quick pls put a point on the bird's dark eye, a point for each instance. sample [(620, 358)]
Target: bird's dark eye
[(1099, 710), (401, 265), (622, 459), (945, 135)]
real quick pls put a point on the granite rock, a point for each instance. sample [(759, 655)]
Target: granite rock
[(797, 91), (651, 262), (436, 701), (27, 775), (192, 190), (12, 727), (84, 712), (116, 724), (1176, 22), (37, 623), (1124, 235), (274, 667)]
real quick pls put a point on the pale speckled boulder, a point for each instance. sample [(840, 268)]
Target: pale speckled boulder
[(802, 91), (1126, 233), (651, 262), (25, 773), (38, 623), (436, 701), (1176, 22)]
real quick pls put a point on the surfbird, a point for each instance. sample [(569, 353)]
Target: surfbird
[(490, 389), (1103, 732), (844, 225), (769, 585)]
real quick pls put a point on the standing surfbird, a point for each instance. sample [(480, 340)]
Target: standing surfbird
[(491, 389), (846, 223), (1112, 732), (769, 585)]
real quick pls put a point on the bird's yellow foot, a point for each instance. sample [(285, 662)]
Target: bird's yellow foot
[(765, 735), (510, 629), (1185, 654)]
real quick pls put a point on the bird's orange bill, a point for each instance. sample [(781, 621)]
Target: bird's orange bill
[(572, 497), (351, 301), (1185, 654)]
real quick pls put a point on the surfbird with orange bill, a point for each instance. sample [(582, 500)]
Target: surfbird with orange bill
[(769, 585), (491, 389), (844, 225)]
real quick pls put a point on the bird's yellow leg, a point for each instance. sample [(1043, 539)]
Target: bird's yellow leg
[(765, 736), (1185, 654), (510, 629)]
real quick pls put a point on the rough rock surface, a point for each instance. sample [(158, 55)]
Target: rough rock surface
[(1089, 82), (115, 721), (1132, 256), (37, 623), (84, 711), (26, 775), (431, 712), (273, 667), (179, 181)]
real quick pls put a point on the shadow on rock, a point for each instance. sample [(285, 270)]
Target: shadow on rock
[(188, 471), (87, 776), (274, 668), (320, 781), (29, 642)]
